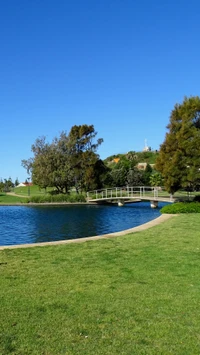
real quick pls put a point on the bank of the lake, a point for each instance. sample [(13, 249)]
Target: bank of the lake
[(56, 222)]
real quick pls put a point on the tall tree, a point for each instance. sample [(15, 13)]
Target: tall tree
[(179, 157), (16, 182), (1, 185), (83, 157), (70, 160)]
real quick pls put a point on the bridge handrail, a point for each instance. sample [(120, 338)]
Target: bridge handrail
[(150, 192), (128, 191)]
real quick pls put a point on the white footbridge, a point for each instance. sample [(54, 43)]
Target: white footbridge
[(122, 195)]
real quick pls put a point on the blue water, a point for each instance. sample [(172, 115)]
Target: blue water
[(35, 224)]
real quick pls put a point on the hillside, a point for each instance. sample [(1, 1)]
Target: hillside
[(139, 157)]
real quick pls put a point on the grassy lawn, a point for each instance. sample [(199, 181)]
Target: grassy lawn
[(21, 194), (33, 190), (137, 294), (7, 199)]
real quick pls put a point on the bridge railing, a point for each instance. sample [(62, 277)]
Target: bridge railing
[(139, 192), (128, 191)]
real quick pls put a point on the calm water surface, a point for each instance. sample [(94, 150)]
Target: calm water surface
[(35, 224)]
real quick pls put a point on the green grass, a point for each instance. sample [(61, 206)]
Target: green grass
[(37, 195), (147, 157), (9, 199), (34, 190), (137, 294)]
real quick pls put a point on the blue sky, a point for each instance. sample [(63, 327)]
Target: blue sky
[(119, 65)]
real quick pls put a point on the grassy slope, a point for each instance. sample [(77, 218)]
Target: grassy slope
[(21, 194), (6, 199), (147, 157), (34, 190), (142, 157), (137, 294)]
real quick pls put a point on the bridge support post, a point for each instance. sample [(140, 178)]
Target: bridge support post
[(154, 204), (120, 203)]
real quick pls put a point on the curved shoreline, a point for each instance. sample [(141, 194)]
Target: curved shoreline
[(154, 222)]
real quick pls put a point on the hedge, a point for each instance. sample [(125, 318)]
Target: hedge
[(181, 207), (56, 199)]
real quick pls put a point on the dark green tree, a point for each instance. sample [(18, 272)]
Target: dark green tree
[(8, 185), (146, 175), (16, 182), (83, 156), (156, 179), (179, 157), (119, 172), (1, 185), (70, 160), (135, 177)]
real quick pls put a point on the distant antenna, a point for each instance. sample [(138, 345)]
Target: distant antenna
[(146, 148)]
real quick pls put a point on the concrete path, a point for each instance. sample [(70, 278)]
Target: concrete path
[(154, 222)]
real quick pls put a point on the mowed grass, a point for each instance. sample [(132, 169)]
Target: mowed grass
[(22, 193), (10, 199), (137, 294), (32, 190)]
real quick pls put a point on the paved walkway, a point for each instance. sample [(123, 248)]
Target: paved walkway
[(154, 222)]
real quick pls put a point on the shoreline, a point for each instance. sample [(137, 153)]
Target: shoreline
[(147, 225)]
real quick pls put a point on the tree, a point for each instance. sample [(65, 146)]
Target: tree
[(83, 157), (8, 185), (146, 175), (156, 179), (119, 172), (135, 177), (16, 182), (69, 160), (1, 185), (179, 157)]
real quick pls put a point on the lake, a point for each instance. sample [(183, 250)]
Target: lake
[(36, 224)]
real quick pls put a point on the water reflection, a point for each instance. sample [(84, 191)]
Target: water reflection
[(33, 224)]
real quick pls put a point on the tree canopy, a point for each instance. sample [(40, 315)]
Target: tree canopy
[(179, 157), (68, 161), (71, 161)]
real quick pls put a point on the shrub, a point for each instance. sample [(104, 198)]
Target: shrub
[(61, 198), (79, 198), (181, 207), (197, 198)]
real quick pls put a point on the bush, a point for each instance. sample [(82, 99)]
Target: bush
[(197, 198), (61, 198), (181, 207)]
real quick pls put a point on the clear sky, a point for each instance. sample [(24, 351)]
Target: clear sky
[(120, 65)]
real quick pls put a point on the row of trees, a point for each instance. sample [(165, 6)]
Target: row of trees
[(72, 160), (7, 184), (125, 172)]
